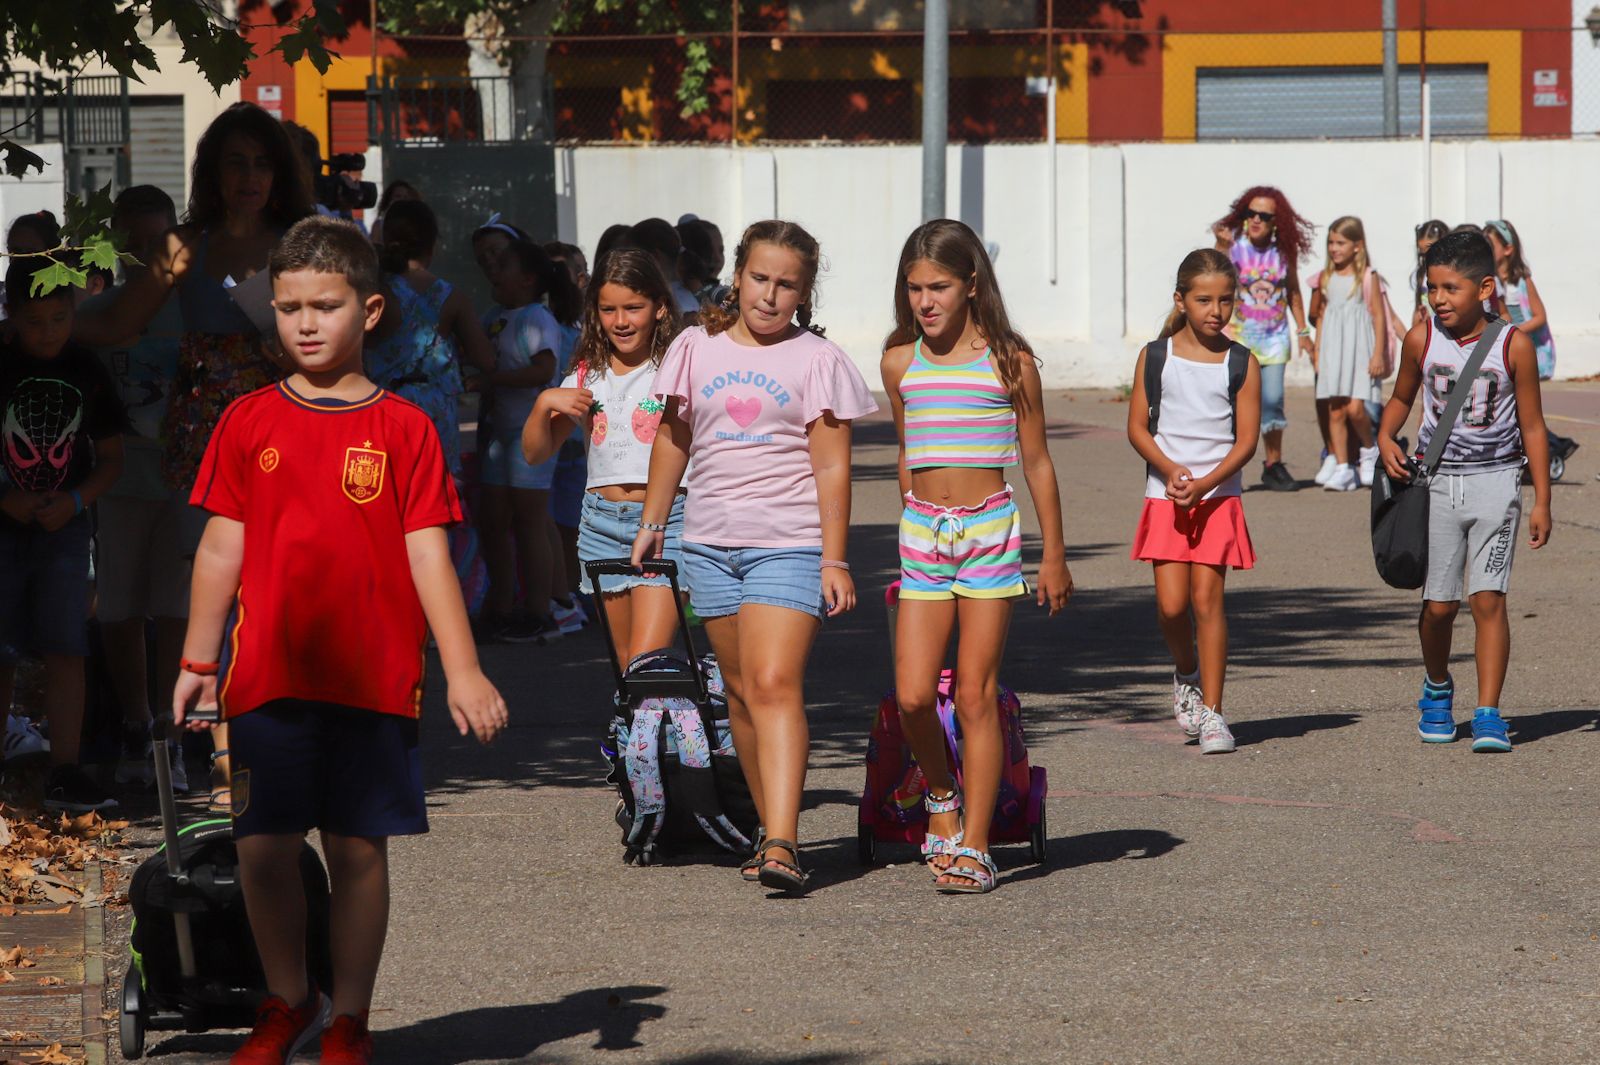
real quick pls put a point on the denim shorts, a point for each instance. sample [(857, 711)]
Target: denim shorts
[(502, 465), (44, 590), (299, 765), (1272, 412), (607, 530), (726, 578)]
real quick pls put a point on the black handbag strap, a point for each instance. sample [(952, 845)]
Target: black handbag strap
[(1459, 392)]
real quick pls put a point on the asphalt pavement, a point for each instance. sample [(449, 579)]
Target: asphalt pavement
[(1335, 891)]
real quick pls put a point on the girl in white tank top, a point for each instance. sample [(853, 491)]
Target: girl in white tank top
[(1195, 438)]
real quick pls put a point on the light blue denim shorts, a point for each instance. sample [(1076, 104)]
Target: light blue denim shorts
[(606, 530), (726, 578)]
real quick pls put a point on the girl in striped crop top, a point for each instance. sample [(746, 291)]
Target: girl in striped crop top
[(967, 403)]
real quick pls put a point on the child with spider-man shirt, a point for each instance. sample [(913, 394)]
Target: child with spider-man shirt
[(61, 448)]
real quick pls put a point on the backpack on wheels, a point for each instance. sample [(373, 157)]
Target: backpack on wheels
[(194, 965), (670, 745), (891, 809)]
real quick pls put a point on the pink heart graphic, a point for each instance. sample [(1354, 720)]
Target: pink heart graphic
[(744, 411)]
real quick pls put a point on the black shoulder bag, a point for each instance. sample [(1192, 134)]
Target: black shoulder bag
[(1400, 508)]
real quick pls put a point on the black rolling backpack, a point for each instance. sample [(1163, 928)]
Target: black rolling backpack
[(669, 744), (194, 965)]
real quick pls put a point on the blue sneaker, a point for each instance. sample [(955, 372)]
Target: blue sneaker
[(1438, 721), (1489, 731)]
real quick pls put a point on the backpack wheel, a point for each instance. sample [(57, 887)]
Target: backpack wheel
[(866, 845), (1558, 467), (130, 1022), (1036, 839)]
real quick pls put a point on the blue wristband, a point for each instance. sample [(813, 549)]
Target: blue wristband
[(77, 503)]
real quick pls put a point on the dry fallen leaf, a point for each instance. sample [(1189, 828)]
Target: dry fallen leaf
[(51, 981)]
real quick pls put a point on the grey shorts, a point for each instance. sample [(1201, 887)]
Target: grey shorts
[(1472, 528)]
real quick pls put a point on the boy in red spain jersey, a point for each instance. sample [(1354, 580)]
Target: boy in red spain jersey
[(322, 569)]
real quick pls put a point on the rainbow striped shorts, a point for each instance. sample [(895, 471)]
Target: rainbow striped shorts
[(974, 552)]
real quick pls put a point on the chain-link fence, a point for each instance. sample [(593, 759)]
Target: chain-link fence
[(807, 71)]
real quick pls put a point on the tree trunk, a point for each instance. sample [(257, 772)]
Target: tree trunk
[(511, 89)]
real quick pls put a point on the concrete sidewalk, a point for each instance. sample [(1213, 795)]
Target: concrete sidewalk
[(1334, 892)]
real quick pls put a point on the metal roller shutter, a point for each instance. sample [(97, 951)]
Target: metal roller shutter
[(1310, 103), (156, 145)]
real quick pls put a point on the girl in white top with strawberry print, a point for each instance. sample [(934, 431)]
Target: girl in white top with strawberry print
[(629, 319)]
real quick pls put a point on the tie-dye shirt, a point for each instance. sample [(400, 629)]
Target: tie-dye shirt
[(748, 407), (1261, 313)]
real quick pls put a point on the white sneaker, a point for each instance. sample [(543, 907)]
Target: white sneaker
[(1329, 464), (1186, 705), (23, 738), (1344, 479), (1214, 735), (1368, 465), (568, 618)]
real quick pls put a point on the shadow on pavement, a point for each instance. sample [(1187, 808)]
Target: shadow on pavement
[(1263, 729), (511, 1033), (1527, 728), (1093, 848)]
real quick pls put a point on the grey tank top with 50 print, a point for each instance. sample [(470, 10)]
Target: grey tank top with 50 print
[(1486, 435)]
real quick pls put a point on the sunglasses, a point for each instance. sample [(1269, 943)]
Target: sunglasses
[(1262, 216)]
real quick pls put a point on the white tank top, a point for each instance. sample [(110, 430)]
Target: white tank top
[(1486, 435), (1196, 426)]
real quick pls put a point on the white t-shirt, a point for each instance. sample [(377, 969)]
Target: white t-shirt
[(519, 334), (623, 426), (687, 302)]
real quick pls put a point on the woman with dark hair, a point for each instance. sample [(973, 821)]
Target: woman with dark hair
[(700, 264), (1266, 240), (247, 186)]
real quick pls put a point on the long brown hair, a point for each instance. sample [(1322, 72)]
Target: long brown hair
[(1202, 262), (291, 184), (635, 269), (1291, 233), (1349, 227), (719, 317), (954, 248)]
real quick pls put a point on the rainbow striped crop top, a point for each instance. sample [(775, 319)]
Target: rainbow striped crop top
[(957, 415)]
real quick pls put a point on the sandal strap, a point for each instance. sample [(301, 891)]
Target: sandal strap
[(983, 858), (938, 845), (219, 754), (948, 805)]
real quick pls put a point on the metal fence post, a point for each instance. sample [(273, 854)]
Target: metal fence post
[(1391, 72), (733, 94), (935, 105)]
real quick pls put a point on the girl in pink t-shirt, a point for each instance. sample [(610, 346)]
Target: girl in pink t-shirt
[(763, 405)]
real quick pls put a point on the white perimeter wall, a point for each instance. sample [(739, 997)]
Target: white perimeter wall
[(1125, 216)]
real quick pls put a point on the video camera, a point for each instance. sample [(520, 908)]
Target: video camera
[(338, 191)]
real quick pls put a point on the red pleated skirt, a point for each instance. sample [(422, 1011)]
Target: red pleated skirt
[(1212, 534)]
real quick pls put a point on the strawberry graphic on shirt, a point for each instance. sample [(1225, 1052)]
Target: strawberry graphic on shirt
[(646, 419), (597, 431)]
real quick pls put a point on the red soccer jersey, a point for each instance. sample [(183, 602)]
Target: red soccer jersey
[(327, 492)]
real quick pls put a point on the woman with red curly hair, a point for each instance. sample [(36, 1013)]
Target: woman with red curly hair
[(1266, 240)]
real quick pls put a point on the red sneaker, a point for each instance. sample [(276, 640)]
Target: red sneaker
[(282, 1030), (347, 1041)]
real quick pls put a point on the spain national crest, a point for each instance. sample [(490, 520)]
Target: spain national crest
[(363, 472)]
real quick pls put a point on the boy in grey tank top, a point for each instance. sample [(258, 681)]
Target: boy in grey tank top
[(1475, 498)]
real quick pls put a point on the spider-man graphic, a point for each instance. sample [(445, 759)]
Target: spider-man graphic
[(40, 431)]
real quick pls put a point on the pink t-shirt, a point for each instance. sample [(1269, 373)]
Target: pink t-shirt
[(748, 407)]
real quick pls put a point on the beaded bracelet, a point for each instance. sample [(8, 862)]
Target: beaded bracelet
[(650, 526), (832, 563)]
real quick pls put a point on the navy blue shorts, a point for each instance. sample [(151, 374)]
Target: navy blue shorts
[(301, 765), (44, 590)]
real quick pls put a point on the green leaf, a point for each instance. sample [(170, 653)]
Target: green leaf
[(57, 275), (18, 159), (86, 218), (99, 252), (222, 55)]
